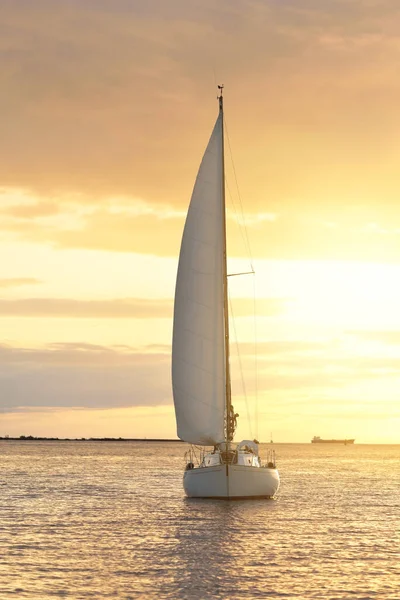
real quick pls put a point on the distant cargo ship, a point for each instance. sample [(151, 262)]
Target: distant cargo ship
[(317, 440)]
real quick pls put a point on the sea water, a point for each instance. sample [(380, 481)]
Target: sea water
[(109, 520)]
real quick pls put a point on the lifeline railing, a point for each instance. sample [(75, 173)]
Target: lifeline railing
[(192, 457), (196, 454), (271, 459)]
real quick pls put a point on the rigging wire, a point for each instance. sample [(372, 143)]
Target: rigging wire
[(246, 241), (255, 357), (241, 369), (239, 224)]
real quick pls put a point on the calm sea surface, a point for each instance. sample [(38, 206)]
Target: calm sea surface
[(110, 520)]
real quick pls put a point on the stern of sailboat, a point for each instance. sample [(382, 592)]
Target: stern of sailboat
[(230, 471)]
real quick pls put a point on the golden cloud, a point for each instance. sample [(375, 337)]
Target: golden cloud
[(311, 99), (351, 234), (18, 281), (122, 308)]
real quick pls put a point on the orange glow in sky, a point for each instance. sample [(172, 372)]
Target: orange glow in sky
[(107, 111)]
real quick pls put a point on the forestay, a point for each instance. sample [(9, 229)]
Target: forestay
[(198, 363)]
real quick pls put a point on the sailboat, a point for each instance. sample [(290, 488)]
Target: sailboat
[(216, 467)]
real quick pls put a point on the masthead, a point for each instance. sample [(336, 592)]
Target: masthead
[(220, 97)]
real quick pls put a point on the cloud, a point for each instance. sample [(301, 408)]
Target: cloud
[(300, 366), (311, 98), (148, 229), (134, 308), (384, 337), (31, 211), (82, 375), (125, 308), (311, 104), (332, 408), (80, 353), (287, 347), (339, 365), (17, 282)]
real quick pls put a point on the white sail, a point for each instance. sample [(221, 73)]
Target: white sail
[(198, 355)]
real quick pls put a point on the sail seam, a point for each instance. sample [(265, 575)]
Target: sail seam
[(198, 335), (186, 362), (188, 395)]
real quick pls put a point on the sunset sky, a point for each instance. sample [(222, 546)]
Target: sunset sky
[(106, 109)]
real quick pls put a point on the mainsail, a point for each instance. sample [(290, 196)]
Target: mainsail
[(198, 353)]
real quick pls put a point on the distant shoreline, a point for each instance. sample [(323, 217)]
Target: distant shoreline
[(32, 438)]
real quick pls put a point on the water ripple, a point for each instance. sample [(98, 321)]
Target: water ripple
[(109, 520)]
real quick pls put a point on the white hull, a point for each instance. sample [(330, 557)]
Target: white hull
[(231, 482)]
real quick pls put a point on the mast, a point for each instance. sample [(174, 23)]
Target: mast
[(228, 396)]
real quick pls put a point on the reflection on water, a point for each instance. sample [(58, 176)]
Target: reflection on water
[(221, 536), (109, 520)]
